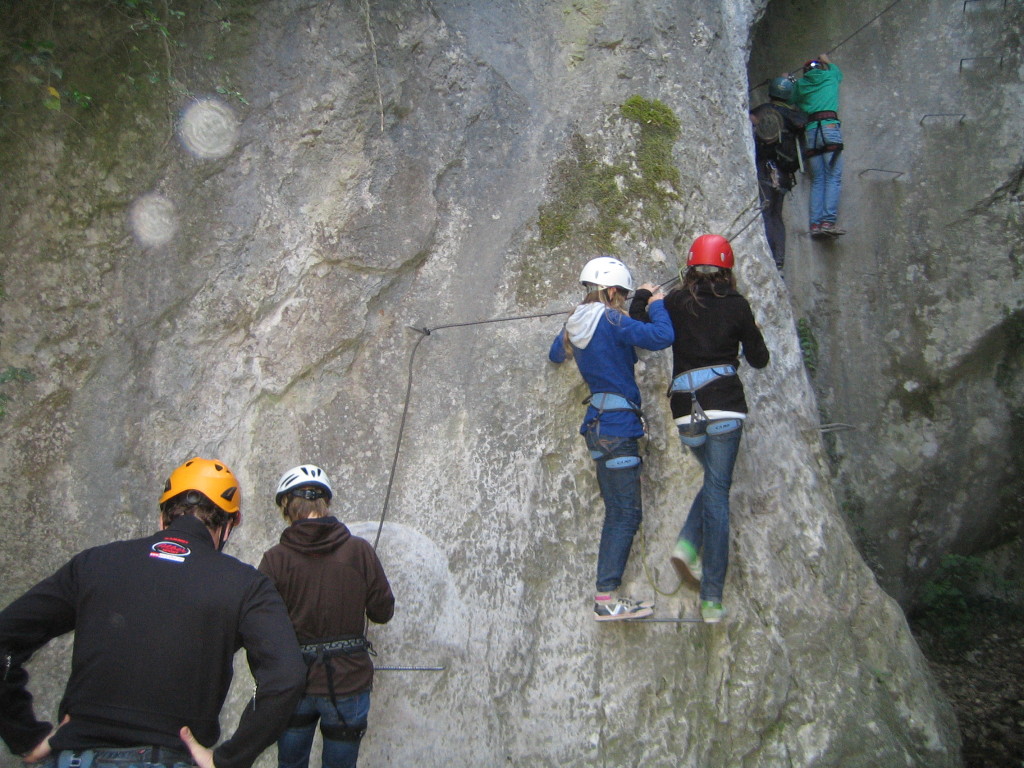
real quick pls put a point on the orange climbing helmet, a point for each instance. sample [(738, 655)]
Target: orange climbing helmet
[(710, 251), (209, 477)]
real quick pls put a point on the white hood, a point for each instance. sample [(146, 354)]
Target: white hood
[(582, 322)]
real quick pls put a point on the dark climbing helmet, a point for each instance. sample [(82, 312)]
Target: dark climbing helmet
[(711, 251), (304, 476), (814, 64), (210, 478), (781, 88)]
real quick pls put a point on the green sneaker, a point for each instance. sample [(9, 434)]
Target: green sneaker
[(686, 561), (711, 612)]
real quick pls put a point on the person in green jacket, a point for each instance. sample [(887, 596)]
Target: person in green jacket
[(817, 94)]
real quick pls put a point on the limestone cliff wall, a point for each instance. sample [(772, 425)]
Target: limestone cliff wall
[(238, 277)]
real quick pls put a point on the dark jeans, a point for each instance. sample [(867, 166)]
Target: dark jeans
[(623, 511), (772, 199), (118, 757), (295, 743)]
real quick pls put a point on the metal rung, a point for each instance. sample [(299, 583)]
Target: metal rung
[(665, 621), (960, 115), (980, 58), (836, 426), (896, 174), (979, 1), (409, 669)]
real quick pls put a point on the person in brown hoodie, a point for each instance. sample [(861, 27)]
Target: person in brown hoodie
[(331, 582)]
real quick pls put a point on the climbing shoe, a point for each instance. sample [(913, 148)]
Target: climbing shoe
[(618, 609), (830, 229), (711, 612), (816, 230), (686, 561)]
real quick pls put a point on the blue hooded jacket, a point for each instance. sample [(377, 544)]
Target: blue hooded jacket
[(603, 343)]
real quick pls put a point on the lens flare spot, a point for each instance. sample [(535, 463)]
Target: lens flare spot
[(153, 219), (208, 129)]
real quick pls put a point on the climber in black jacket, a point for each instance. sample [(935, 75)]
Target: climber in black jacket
[(157, 622), (712, 321)]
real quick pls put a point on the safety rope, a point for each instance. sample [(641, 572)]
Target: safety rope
[(845, 40), (424, 332)]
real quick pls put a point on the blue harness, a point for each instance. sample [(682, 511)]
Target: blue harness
[(689, 382)]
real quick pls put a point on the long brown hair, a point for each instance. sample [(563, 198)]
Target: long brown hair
[(720, 281)]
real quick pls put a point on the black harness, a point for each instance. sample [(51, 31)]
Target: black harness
[(323, 652), (827, 117)]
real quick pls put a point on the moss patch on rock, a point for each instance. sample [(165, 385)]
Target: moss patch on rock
[(598, 202)]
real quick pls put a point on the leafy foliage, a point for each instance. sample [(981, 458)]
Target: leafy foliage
[(808, 345), (959, 601)]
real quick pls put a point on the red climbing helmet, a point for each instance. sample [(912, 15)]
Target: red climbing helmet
[(711, 251)]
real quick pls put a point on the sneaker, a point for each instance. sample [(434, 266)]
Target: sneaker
[(641, 603), (830, 229), (620, 609), (711, 612), (815, 230), (686, 561)]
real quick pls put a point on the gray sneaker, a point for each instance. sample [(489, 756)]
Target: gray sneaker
[(620, 609)]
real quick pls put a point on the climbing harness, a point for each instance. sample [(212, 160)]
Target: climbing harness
[(608, 402), (834, 147), (689, 382), (322, 652)]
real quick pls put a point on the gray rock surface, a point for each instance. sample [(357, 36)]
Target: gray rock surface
[(239, 282), (917, 312)]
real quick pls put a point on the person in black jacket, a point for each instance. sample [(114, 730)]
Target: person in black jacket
[(778, 144), (332, 582), (712, 321), (157, 622)]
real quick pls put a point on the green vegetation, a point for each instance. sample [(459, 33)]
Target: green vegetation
[(596, 202), (658, 182), (11, 374), (962, 598), (132, 54), (808, 345)]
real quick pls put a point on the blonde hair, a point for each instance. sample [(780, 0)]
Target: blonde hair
[(595, 294)]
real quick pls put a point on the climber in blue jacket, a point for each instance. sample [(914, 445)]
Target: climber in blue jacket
[(602, 339)]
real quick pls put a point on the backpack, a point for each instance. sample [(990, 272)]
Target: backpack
[(776, 137)]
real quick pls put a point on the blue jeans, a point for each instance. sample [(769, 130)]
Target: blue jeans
[(826, 173), (295, 743), (623, 511), (707, 525)]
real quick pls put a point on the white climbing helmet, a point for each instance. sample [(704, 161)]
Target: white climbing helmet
[(303, 475), (606, 272)]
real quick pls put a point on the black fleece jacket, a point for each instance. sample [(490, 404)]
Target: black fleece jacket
[(709, 331), (157, 622)]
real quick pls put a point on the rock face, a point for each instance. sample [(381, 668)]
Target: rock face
[(245, 282), (917, 312)]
